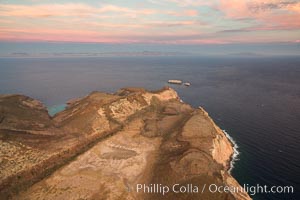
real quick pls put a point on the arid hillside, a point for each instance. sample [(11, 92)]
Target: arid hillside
[(104, 145)]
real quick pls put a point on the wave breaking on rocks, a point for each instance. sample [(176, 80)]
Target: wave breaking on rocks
[(236, 153)]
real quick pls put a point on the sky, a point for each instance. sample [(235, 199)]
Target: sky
[(159, 22)]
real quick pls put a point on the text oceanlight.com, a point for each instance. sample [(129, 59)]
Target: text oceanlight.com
[(213, 188)]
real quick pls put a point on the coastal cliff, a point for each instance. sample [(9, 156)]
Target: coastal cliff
[(103, 145)]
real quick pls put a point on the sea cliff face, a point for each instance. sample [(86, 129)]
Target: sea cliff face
[(104, 145)]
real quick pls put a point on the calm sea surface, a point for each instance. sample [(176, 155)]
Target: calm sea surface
[(256, 100)]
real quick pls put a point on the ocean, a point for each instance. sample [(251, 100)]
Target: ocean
[(255, 99)]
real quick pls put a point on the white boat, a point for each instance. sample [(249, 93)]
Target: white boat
[(187, 84), (175, 81)]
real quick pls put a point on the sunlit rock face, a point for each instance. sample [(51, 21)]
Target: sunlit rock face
[(104, 145)]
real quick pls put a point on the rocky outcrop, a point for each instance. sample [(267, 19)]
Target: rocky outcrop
[(222, 147), (104, 145)]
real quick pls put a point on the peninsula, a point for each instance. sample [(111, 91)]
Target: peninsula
[(133, 144)]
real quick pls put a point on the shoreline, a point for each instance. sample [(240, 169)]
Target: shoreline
[(236, 153)]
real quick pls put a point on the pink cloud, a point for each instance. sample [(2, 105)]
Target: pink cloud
[(256, 8), (111, 23), (69, 9), (286, 21), (58, 35), (130, 37), (93, 36), (187, 3), (167, 24), (191, 13), (46, 10), (271, 14), (184, 13), (234, 8)]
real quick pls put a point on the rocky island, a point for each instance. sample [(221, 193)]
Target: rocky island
[(133, 144)]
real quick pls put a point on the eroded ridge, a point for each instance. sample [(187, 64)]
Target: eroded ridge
[(103, 145)]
